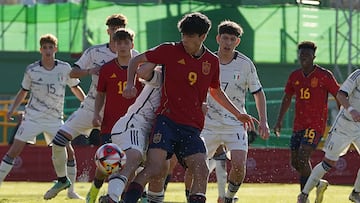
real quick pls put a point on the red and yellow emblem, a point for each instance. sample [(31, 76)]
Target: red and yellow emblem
[(206, 67), (314, 82)]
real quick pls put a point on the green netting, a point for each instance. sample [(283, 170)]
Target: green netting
[(271, 31)]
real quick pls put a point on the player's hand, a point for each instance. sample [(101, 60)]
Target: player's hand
[(264, 130), (130, 91), (248, 121), (355, 115), (204, 108), (96, 120), (277, 129), (9, 116)]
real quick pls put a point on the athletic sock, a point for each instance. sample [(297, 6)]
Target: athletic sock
[(155, 197), (59, 158), (5, 167), (116, 186), (71, 173), (221, 176), (357, 182), (317, 173), (232, 190)]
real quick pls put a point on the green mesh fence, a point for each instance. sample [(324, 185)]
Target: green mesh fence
[(271, 31)]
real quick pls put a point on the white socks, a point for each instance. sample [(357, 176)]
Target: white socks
[(59, 158)]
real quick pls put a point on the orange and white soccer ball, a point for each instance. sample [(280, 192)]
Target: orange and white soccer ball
[(110, 158)]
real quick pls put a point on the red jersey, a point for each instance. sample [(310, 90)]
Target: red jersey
[(311, 97), (186, 82), (112, 81)]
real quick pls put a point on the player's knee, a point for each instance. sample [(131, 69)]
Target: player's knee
[(61, 139)]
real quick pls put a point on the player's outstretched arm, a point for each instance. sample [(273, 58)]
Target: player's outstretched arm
[(260, 101), (130, 90)]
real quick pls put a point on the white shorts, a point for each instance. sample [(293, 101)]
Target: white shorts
[(342, 134), (29, 129), (131, 132), (79, 122), (233, 137)]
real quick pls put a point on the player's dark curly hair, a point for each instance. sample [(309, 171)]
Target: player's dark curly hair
[(194, 23), (307, 45)]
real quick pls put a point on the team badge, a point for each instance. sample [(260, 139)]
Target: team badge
[(157, 138), (297, 82), (237, 75), (60, 77), (206, 67), (314, 82)]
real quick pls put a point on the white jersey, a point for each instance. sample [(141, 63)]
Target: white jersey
[(93, 57), (47, 89), (132, 130), (351, 86), (236, 78)]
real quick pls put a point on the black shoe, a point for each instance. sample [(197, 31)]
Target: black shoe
[(106, 199)]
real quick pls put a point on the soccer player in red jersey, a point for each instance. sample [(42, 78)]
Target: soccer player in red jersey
[(191, 70), (111, 84), (311, 85)]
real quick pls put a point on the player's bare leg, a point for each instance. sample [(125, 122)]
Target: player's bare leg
[(197, 166), (236, 174)]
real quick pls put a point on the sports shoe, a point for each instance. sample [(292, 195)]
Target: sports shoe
[(58, 187), (74, 195), (302, 198), (228, 200), (320, 189), (106, 199), (92, 194), (236, 198), (220, 200), (354, 197)]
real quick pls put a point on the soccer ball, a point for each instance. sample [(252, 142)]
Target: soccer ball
[(109, 158)]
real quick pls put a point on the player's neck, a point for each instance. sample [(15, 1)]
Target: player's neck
[(308, 69), (48, 63), (123, 60), (225, 57)]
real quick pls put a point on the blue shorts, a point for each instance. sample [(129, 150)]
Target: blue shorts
[(181, 140), (304, 137)]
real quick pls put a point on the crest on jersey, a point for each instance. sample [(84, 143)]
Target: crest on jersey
[(237, 75), (297, 82), (206, 67), (314, 82), (60, 77), (157, 138)]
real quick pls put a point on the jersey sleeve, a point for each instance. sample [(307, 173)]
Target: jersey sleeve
[(333, 85), (101, 86), (289, 89), (85, 60), (156, 54), (26, 82), (253, 79), (351, 82)]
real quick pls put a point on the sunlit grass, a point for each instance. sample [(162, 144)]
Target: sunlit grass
[(32, 192)]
